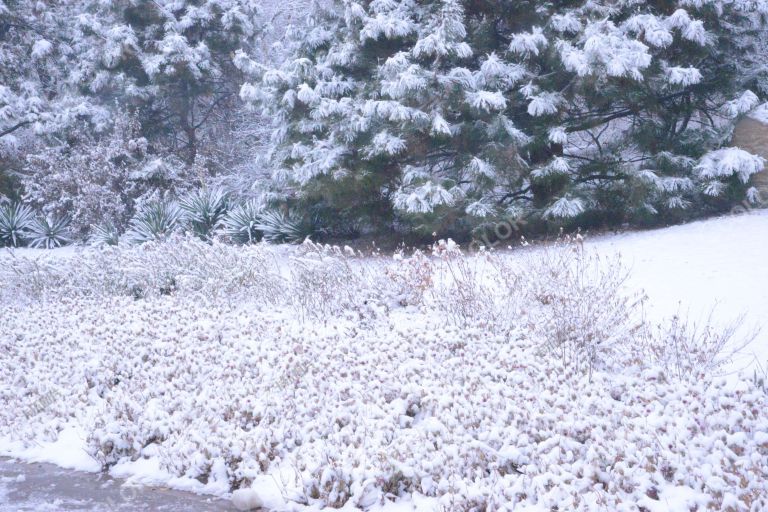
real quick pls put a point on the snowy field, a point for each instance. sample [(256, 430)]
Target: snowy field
[(314, 378), (717, 266)]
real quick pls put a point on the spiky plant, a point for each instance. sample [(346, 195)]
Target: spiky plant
[(241, 223), (49, 232), (15, 223), (155, 221), (280, 227), (105, 233), (204, 210)]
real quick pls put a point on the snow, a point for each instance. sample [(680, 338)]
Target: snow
[(309, 377), (760, 113), (67, 451), (528, 43), (728, 162), (487, 100), (716, 265), (683, 76), (565, 207)]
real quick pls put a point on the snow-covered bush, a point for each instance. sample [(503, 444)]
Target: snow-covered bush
[(410, 407), (324, 372), (327, 281), (49, 232), (155, 221), (105, 233), (410, 278), (686, 348), (579, 308), (16, 221), (241, 222), (284, 227), (93, 179), (175, 266), (760, 377), (205, 210), (467, 290)]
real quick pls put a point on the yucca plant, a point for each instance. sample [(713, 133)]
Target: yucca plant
[(280, 227), (204, 210), (49, 232), (241, 223), (105, 233), (155, 221), (15, 223)]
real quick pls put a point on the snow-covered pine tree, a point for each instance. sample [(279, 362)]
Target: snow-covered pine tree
[(172, 61), (39, 42), (461, 112)]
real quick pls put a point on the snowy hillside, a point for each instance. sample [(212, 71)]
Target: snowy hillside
[(505, 381), (716, 265)]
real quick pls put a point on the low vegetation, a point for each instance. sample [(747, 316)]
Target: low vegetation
[(477, 382)]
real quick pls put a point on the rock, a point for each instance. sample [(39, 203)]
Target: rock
[(751, 134)]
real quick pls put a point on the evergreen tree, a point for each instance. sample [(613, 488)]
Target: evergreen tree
[(38, 97), (172, 61), (459, 112)]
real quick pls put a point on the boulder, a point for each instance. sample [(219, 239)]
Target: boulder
[(751, 134)]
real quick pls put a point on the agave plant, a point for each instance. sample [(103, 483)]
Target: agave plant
[(204, 210), (15, 223), (280, 227), (155, 221), (105, 234), (241, 223), (49, 232)]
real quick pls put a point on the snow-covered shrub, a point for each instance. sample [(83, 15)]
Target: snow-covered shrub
[(49, 232), (241, 222), (155, 221), (105, 233), (327, 281), (329, 483), (465, 289), (579, 309), (689, 349), (281, 227), (176, 266), (16, 220), (95, 178), (238, 366), (760, 376), (213, 269), (205, 210), (410, 277), (407, 408)]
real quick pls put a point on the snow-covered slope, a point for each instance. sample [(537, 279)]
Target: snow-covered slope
[(715, 265)]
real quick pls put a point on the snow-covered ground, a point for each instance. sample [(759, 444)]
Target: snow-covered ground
[(717, 266), (427, 383)]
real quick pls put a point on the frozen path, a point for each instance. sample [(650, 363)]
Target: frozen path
[(45, 487), (717, 263)]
